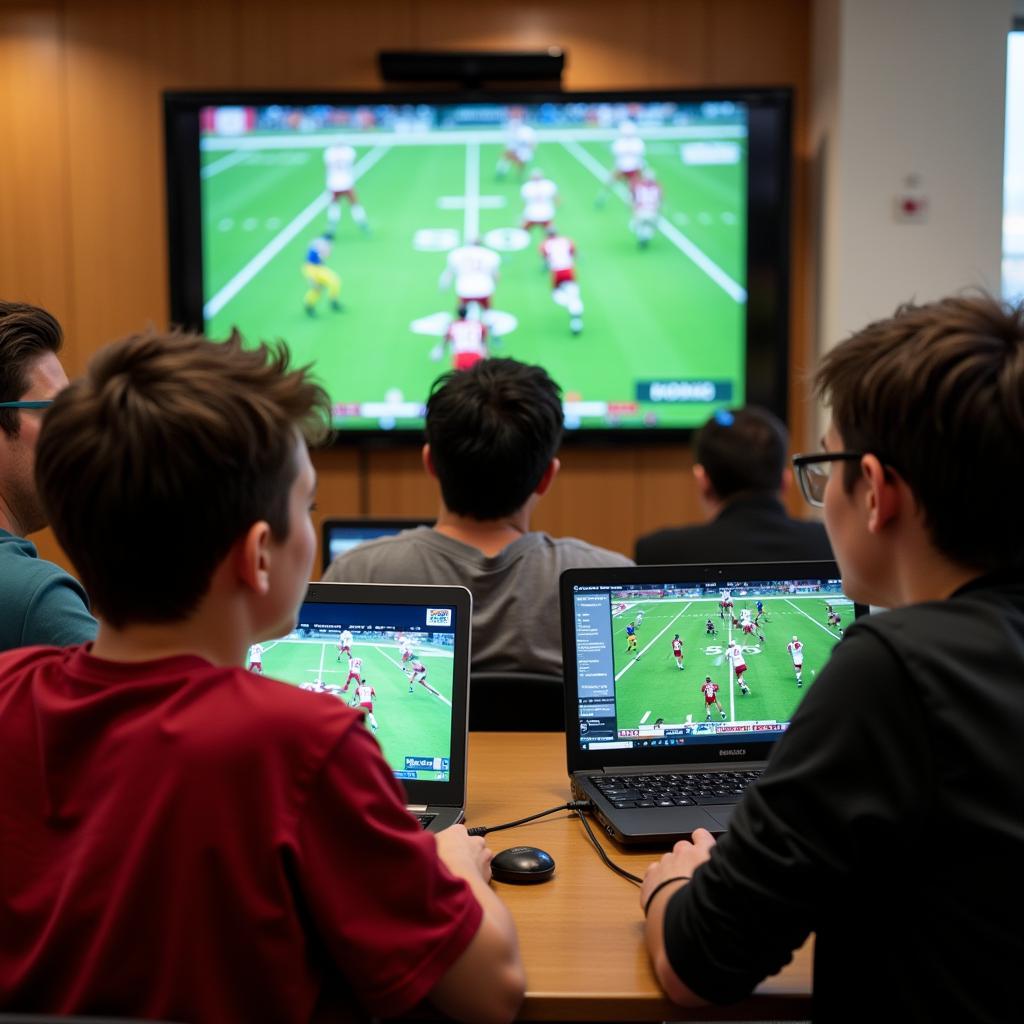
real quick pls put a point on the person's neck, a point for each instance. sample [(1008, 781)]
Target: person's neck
[(489, 536), (217, 633), (715, 506), (933, 579), (7, 520)]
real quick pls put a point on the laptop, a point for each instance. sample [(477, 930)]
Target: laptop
[(340, 533), (679, 679), (412, 646)]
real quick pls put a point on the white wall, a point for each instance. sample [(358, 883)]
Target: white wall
[(905, 87)]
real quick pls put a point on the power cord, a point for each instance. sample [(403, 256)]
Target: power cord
[(577, 806)]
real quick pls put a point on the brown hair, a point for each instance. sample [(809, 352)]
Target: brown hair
[(26, 333), (743, 451), (152, 465), (937, 393)]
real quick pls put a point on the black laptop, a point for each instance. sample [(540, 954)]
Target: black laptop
[(410, 646), (340, 533), (679, 679)]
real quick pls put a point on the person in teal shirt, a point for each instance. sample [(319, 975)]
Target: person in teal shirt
[(39, 602)]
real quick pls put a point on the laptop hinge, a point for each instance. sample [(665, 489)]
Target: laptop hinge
[(416, 808)]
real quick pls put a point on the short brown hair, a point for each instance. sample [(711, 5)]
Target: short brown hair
[(743, 451), (937, 393), (152, 465), (26, 333)]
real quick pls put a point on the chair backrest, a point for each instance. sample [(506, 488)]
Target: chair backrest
[(516, 702)]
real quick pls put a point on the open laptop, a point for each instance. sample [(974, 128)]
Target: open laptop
[(657, 750), (413, 646), (339, 533)]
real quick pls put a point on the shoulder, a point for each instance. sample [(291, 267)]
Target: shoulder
[(573, 553), (667, 544), (374, 554)]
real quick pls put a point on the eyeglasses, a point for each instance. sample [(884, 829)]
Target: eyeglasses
[(812, 473), (41, 404)]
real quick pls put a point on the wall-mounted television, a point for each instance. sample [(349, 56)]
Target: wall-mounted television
[(635, 244)]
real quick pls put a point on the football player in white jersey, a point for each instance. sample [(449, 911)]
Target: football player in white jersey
[(364, 699), (646, 208), (796, 652), (474, 269), (344, 643), (417, 674), (520, 143), (739, 665), (627, 157), (559, 255), (355, 668), (256, 659), (339, 161), (540, 196)]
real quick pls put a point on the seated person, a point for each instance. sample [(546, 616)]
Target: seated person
[(40, 602), (741, 474), (183, 839), (890, 820), (492, 435)]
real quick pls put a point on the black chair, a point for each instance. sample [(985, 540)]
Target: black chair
[(516, 702)]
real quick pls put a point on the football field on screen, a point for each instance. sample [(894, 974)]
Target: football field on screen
[(659, 313), (651, 686), (399, 713)]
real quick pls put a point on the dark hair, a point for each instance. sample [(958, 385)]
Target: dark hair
[(158, 459), (742, 451), (493, 430), (26, 333), (937, 393)]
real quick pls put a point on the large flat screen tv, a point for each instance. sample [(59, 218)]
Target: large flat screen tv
[(634, 244)]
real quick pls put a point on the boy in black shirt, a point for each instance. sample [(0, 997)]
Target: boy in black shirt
[(891, 818)]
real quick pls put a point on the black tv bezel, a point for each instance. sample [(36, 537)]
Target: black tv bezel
[(769, 212)]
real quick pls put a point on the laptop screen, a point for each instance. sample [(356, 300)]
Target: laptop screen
[(340, 535), (691, 662), (395, 661)]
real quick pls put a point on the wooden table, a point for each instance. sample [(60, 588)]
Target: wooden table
[(582, 932)]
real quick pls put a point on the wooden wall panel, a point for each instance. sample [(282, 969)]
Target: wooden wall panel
[(82, 201)]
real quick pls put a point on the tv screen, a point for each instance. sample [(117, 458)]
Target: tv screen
[(635, 245)]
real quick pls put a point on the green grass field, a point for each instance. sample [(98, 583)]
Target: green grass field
[(649, 685), (416, 724), (652, 314)]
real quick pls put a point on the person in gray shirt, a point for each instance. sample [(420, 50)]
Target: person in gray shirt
[(492, 434), (39, 602)]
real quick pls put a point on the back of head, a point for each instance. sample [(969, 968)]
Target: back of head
[(493, 431), (937, 393), (743, 451), (26, 333), (161, 457)]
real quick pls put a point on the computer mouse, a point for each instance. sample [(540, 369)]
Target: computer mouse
[(522, 865)]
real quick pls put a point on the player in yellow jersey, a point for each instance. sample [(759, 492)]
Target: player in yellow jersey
[(320, 276)]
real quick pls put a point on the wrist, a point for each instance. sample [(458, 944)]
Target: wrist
[(661, 887)]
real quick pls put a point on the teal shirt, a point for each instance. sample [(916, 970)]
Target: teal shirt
[(39, 602)]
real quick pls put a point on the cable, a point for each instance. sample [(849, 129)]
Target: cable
[(600, 849), (572, 805)]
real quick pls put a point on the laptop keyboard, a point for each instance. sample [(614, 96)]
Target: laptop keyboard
[(683, 789), (425, 819)]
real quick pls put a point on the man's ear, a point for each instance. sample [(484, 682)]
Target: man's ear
[(883, 493), (704, 487), (428, 461), (251, 555), (548, 478)]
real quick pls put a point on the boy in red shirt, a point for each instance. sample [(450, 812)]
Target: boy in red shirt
[(179, 834)]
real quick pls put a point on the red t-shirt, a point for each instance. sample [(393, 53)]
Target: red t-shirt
[(195, 843)]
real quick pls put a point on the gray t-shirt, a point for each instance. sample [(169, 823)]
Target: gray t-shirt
[(516, 625)]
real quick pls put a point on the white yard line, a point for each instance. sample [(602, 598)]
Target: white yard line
[(654, 640), (694, 253), (439, 696), (647, 715), (279, 241), (732, 695), (471, 215), (224, 163), (320, 670), (835, 636)]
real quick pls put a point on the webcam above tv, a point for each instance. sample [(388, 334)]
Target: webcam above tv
[(635, 244)]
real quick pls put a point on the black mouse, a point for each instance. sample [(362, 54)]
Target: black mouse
[(523, 865)]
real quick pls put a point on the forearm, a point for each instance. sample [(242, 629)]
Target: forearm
[(654, 931)]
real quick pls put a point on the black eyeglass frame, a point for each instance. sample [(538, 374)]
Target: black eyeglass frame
[(802, 462)]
